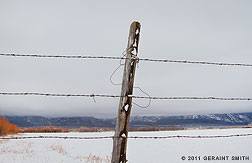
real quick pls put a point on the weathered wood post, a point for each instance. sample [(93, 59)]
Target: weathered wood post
[(122, 123)]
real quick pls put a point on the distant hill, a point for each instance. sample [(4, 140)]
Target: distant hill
[(232, 119), (69, 122)]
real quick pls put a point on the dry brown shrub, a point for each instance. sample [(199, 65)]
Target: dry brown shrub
[(97, 159), (153, 128), (43, 129), (7, 128), (59, 149), (93, 129)]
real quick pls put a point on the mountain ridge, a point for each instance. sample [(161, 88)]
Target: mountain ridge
[(229, 119)]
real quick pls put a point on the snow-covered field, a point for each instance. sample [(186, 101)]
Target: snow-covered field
[(139, 150)]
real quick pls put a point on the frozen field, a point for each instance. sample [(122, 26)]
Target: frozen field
[(139, 150)]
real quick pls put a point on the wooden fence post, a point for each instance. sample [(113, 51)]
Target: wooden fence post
[(123, 118)]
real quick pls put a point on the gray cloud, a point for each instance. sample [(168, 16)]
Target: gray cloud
[(217, 31)]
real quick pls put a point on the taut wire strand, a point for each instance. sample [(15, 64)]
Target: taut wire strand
[(129, 137), (121, 58), (118, 96)]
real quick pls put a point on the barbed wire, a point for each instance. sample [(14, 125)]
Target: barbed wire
[(118, 96), (62, 56), (129, 137), (196, 98), (57, 137), (196, 62), (121, 58), (56, 94)]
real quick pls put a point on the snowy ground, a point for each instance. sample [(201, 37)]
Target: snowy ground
[(139, 150)]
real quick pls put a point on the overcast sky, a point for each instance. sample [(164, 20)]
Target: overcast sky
[(197, 30)]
